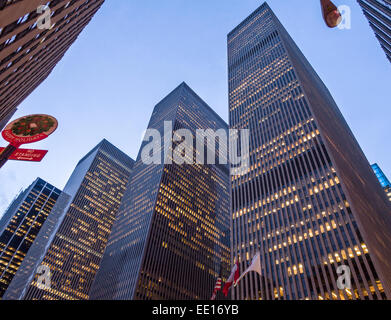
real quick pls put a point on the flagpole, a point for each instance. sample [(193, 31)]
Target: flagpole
[(254, 266), (240, 278)]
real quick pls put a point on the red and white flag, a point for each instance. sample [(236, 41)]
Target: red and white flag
[(254, 266), (232, 278), (217, 288)]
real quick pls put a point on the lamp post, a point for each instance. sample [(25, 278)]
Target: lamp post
[(331, 14), (10, 149)]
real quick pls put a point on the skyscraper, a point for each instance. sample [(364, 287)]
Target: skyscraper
[(310, 202), (171, 237), (20, 226), (31, 46), (73, 248), (378, 13), (384, 182)]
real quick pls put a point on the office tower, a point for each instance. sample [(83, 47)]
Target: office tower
[(31, 46), (172, 233), (384, 182), (310, 202), (73, 246), (378, 13), (20, 225)]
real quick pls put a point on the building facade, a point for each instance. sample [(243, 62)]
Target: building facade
[(384, 182), (73, 246), (171, 237), (30, 46), (378, 13), (21, 224), (310, 202), (388, 192)]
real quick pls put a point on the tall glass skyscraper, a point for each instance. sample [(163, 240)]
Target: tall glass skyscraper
[(378, 13), (171, 237), (384, 182), (20, 226), (73, 246), (310, 202)]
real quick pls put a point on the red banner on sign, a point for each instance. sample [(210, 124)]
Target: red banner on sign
[(27, 155)]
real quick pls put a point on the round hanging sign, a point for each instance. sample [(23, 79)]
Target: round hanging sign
[(29, 129)]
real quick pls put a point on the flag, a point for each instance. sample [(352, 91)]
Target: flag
[(217, 288), (254, 266), (232, 278)]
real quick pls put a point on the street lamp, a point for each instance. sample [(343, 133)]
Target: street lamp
[(331, 14)]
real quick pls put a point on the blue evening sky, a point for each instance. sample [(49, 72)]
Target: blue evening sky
[(134, 52)]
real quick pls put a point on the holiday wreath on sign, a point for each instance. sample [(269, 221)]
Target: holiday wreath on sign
[(32, 125)]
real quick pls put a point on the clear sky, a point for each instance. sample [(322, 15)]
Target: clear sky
[(134, 52)]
